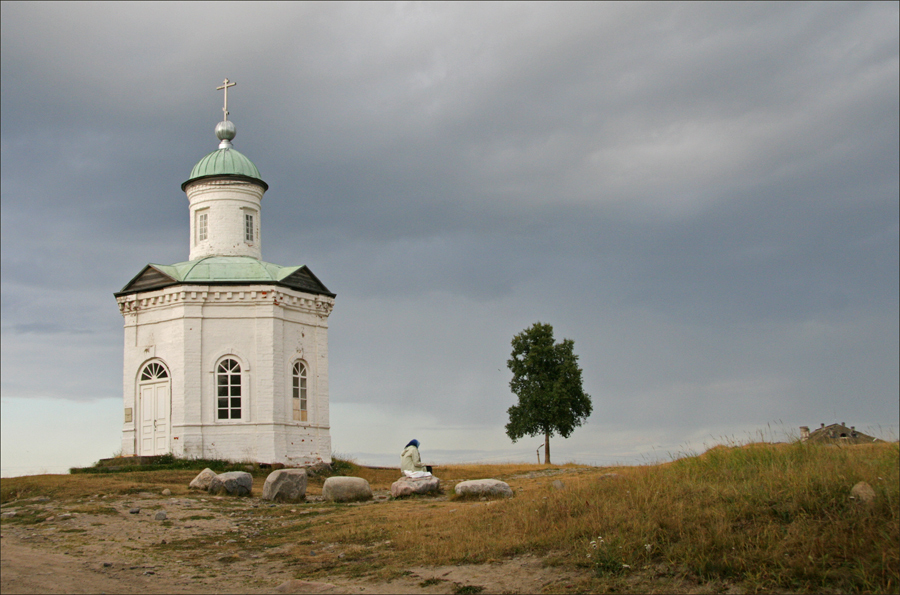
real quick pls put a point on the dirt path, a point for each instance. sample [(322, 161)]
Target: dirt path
[(205, 544), (26, 569)]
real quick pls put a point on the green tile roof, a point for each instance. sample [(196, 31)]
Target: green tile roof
[(225, 268), (228, 270)]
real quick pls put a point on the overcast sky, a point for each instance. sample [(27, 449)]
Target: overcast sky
[(704, 197)]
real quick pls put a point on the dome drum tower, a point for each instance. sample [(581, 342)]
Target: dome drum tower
[(225, 191)]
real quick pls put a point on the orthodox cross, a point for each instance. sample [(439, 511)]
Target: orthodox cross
[(224, 87)]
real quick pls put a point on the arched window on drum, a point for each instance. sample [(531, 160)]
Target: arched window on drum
[(299, 392)]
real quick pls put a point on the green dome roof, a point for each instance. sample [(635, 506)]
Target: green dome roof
[(225, 162), (226, 268)]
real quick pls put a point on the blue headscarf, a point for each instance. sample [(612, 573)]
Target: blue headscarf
[(413, 443)]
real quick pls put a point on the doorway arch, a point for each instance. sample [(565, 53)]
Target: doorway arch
[(154, 407)]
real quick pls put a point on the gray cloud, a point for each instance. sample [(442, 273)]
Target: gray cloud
[(703, 196)]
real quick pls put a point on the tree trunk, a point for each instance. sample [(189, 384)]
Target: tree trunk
[(547, 448)]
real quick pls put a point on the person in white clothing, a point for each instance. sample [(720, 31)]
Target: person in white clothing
[(410, 462)]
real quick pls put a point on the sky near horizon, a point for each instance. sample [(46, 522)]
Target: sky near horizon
[(704, 197)]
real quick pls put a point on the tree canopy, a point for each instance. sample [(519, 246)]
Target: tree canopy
[(547, 381)]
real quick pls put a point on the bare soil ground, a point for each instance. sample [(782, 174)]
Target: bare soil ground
[(105, 534), (212, 544)]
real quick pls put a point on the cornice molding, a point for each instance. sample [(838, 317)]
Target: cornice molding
[(199, 189), (204, 295)]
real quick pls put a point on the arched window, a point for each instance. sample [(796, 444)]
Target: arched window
[(154, 371), (228, 385), (299, 391)]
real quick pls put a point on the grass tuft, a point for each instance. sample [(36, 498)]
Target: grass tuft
[(169, 462)]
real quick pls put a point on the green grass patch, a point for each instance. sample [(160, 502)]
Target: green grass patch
[(27, 517), (96, 510), (169, 462), (428, 582)]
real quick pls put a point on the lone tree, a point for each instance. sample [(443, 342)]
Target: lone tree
[(547, 380)]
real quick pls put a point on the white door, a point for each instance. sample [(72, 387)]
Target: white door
[(155, 419)]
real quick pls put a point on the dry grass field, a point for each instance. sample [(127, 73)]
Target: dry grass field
[(758, 518)]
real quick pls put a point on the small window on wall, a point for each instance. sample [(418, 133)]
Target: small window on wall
[(202, 226), (299, 392), (228, 387), (248, 227)]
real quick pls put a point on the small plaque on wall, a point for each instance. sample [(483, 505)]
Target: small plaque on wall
[(128, 415)]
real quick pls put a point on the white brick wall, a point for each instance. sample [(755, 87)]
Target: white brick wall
[(190, 328), (225, 202)]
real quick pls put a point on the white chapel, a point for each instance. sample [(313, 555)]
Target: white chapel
[(226, 356)]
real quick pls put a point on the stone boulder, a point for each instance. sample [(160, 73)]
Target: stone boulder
[(346, 489), (407, 486), (233, 483), (863, 492), (285, 485), (202, 481), (484, 488)]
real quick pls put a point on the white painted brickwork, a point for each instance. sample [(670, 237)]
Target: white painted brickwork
[(225, 202), (189, 329)]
